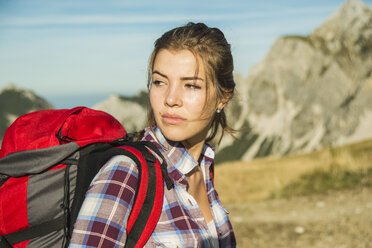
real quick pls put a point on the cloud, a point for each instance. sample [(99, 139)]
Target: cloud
[(125, 18), (103, 19)]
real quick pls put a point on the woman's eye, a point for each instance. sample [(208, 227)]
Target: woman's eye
[(158, 82), (193, 86)]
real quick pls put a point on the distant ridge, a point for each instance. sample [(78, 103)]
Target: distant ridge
[(15, 102)]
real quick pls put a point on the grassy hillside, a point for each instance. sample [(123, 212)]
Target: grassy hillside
[(316, 172), (15, 102)]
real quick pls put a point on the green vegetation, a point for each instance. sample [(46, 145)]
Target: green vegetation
[(322, 181), (141, 98)]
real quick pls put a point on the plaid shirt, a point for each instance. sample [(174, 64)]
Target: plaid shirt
[(105, 211)]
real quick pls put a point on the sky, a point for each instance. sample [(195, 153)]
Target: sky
[(78, 52)]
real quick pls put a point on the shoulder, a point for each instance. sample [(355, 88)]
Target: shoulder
[(120, 162), (118, 170), (108, 201)]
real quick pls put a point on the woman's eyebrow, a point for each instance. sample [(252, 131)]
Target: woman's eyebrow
[(182, 78), (191, 78), (161, 74)]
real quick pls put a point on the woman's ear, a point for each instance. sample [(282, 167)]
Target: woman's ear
[(221, 105), (224, 100)]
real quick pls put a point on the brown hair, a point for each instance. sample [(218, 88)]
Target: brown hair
[(211, 46)]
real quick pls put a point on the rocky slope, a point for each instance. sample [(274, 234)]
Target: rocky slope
[(15, 102), (130, 111), (309, 92)]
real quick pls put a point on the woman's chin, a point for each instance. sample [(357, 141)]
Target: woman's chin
[(174, 134)]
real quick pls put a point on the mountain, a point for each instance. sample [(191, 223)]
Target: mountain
[(309, 92), (130, 111), (15, 102)]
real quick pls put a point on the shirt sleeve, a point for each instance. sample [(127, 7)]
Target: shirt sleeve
[(103, 217)]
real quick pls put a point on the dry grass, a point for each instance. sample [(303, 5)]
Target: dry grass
[(241, 182), (338, 219)]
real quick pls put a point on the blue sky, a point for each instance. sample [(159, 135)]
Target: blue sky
[(77, 52)]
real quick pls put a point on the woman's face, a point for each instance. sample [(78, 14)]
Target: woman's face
[(178, 97)]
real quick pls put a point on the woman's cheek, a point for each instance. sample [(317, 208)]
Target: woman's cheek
[(195, 99), (155, 98)]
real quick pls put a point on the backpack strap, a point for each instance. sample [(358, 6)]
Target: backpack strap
[(91, 160), (211, 172), (163, 165), (148, 201), (4, 243)]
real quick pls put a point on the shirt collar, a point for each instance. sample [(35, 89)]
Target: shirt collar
[(178, 158)]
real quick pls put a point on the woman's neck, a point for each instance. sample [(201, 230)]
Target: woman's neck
[(194, 149)]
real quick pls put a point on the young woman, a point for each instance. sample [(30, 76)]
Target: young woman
[(190, 83)]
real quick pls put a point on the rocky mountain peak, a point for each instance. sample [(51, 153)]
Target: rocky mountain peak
[(310, 91), (352, 19)]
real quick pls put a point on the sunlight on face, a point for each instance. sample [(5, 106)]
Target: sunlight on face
[(178, 97)]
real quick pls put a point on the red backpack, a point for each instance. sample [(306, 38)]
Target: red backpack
[(47, 162)]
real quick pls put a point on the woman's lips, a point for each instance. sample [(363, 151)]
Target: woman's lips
[(171, 119)]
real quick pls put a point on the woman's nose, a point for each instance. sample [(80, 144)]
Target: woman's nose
[(173, 96)]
